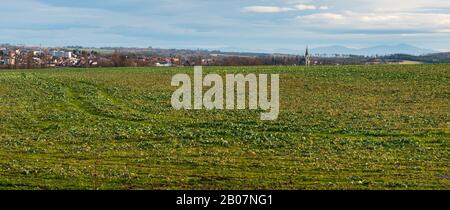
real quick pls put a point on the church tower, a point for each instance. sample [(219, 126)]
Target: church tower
[(307, 57)]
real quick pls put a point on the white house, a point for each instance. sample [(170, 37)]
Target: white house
[(61, 54), (68, 54)]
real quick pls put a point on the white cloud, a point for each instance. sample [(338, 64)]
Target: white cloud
[(401, 21), (266, 9), (302, 7), (277, 9), (321, 17)]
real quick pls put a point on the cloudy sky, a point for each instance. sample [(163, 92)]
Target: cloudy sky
[(247, 24)]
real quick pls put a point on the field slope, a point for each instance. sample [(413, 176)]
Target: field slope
[(352, 127)]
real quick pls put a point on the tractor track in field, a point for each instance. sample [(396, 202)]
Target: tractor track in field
[(100, 104), (94, 100)]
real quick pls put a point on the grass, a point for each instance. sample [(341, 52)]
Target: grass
[(351, 127)]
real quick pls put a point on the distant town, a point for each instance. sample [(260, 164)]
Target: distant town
[(27, 57)]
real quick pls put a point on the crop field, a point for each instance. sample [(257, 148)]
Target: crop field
[(340, 127)]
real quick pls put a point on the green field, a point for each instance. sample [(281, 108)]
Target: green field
[(348, 127)]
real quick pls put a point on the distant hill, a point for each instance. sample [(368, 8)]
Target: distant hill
[(376, 50), (429, 58)]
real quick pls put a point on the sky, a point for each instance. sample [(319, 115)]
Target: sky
[(258, 25)]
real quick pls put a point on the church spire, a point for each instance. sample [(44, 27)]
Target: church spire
[(307, 57)]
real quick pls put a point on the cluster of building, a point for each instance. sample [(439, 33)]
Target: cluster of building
[(37, 57), (21, 57), (34, 57)]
